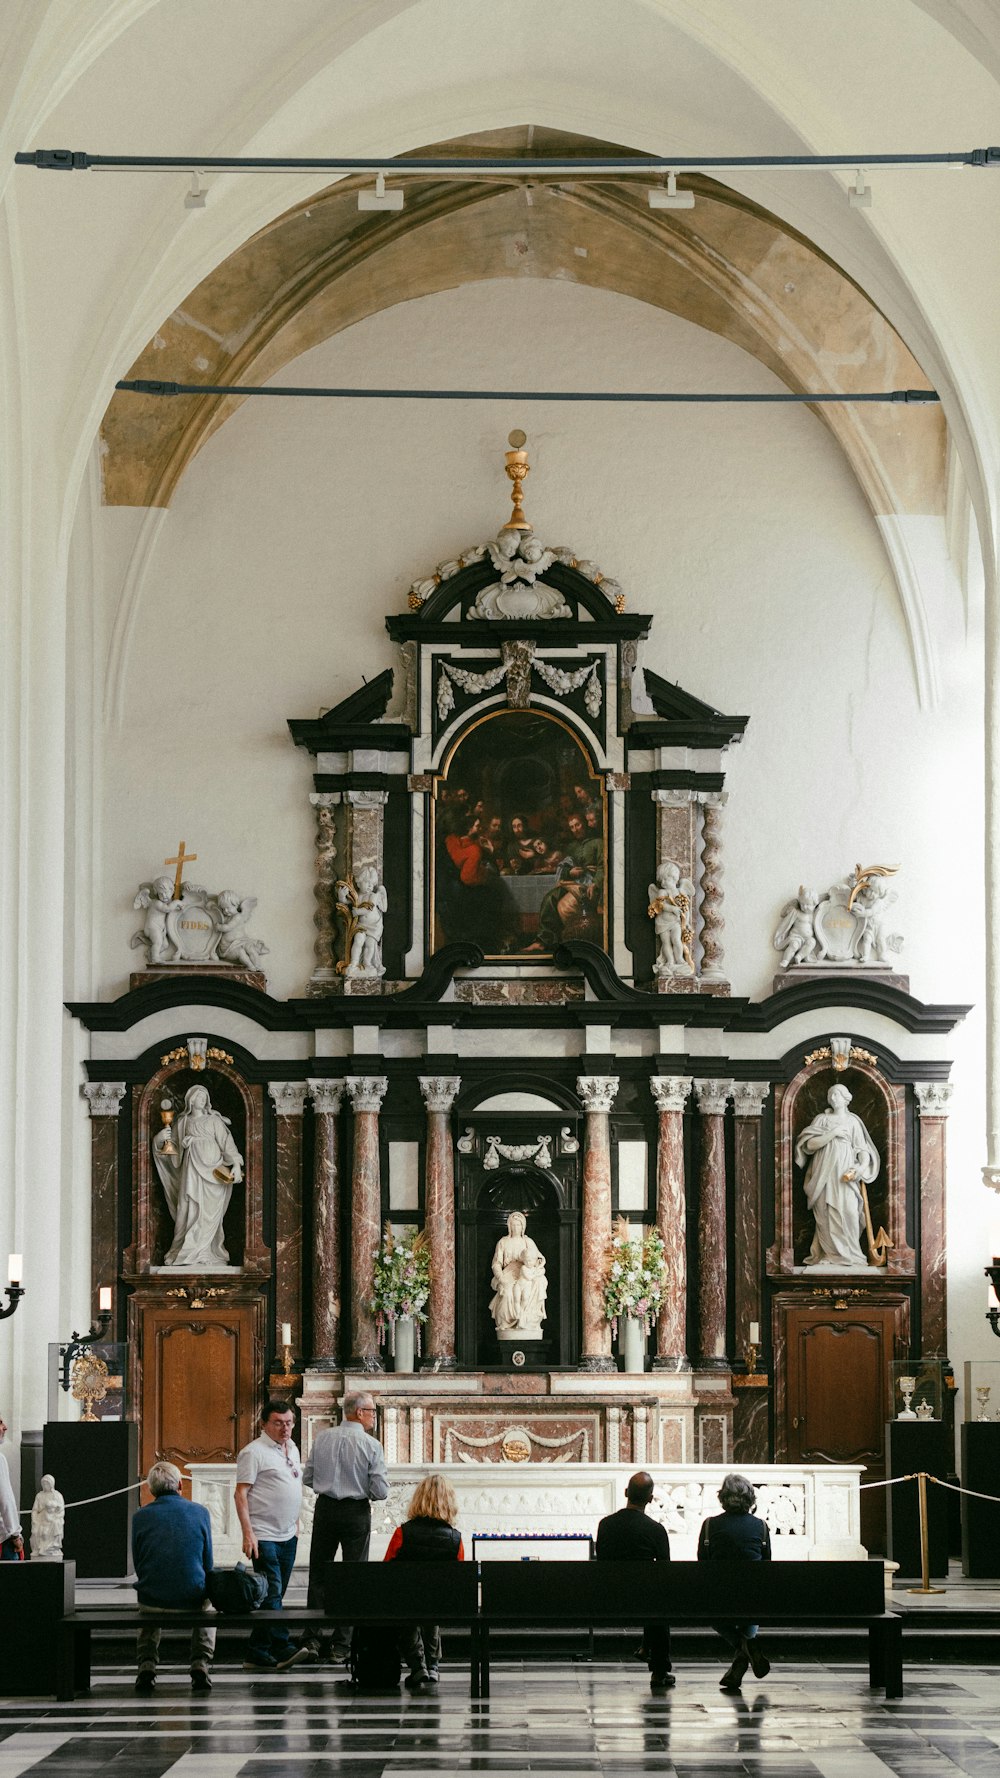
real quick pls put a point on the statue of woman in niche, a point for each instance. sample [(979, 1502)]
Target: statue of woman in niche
[(838, 1155), (519, 1283), (198, 1165), (48, 1517)]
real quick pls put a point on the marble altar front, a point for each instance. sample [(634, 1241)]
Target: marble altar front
[(814, 1513)]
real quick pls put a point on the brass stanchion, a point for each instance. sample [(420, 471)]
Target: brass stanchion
[(925, 1551)]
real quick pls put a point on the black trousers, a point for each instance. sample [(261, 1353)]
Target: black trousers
[(656, 1641), (344, 1525)]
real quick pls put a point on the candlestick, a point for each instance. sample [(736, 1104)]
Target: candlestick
[(755, 1333), (104, 1299), (15, 1266), (286, 1333)]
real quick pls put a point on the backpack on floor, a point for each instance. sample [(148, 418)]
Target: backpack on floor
[(375, 1665)]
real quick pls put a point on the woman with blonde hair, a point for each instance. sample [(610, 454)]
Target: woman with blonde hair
[(429, 1535)]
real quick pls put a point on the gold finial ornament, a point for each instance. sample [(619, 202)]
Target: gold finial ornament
[(517, 467)]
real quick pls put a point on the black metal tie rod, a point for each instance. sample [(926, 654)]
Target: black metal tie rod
[(146, 386)]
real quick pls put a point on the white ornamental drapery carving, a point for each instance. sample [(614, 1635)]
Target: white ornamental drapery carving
[(539, 1151), (558, 679)]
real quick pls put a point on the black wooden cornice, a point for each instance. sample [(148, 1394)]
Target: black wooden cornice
[(354, 722), (614, 1002)]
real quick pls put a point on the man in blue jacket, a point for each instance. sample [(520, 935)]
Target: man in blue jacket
[(172, 1555)]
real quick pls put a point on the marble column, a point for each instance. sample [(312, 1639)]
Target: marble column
[(289, 1099), (326, 1097), (439, 1218), (712, 919), (597, 1093), (670, 1092), (712, 1096), (324, 889), (749, 1097), (366, 1092), (104, 1101), (365, 829), (933, 1097)]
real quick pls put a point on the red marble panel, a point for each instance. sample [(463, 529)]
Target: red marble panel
[(440, 1224), (712, 1245), (933, 1239), (671, 1218), (596, 1237), (326, 1260), (366, 1228)]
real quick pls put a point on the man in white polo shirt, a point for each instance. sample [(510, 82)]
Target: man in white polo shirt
[(268, 1502)]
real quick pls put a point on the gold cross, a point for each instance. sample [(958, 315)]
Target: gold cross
[(181, 860)]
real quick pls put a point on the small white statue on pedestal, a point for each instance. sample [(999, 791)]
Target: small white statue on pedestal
[(363, 904), (519, 1283), (156, 899), (234, 944), (48, 1517), (795, 937), (671, 900)]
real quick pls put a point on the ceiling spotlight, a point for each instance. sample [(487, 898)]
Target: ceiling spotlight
[(859, 195), (380, 199), (671, 199), (195, 199)]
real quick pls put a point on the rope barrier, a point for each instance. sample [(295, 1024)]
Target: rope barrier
[(94, 1498)]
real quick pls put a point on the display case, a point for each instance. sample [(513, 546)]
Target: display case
[(87, 1382), (981, 1395), (917, 1388)]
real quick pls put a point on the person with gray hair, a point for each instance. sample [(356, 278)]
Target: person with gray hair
[(346, 1467), (736, 1535), (172, 1558)]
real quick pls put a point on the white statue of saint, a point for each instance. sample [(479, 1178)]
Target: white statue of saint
[(197, 1179), (48, 1516), (519, 1283), (365, 903), (671, 899), (838, 1155)]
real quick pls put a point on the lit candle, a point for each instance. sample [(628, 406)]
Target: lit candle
[(755, 1333), (15, 1265), (104, 1299), (286, 1333)]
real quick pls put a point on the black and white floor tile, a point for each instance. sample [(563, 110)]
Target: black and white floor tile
[(804, 1721)]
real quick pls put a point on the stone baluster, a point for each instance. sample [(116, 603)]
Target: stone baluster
[(749, 1097), (324, 890), (640, 1434), (416, 1434), (390, 1433), (104, 1102), (712, 895), (712, 1096), (289, 1098), (597, 1093), (670, 1093), (326, 1097), (439, 1218), (366, 1092), (613, 1434), (933, 1098)]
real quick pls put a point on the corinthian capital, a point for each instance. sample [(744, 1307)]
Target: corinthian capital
[(712, 1096), (933, 1097), (597, 1091), (439, 1091), (749, 1097), (289, 1097), (326, 1096), (367, 1091), (671, 1091), (104, 1097)]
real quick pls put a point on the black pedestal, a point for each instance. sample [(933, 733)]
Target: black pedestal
[(980, 1520), (33, 1598), (912, 1445), (88, 1459)]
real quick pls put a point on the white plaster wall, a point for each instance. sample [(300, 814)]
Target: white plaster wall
[(741, 530)]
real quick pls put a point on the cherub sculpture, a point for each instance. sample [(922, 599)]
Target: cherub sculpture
[(363, 905), (671, 900), (156, 898), (520, 560), (796, 937), (233, 942)]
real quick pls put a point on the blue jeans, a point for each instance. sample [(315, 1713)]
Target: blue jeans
[(8, 1553), (275, 1562)]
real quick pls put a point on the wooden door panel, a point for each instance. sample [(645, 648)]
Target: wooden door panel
[(198, 1383), (839, 1398)]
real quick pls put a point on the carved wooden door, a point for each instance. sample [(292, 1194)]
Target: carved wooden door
[(834, 1391), (198, 1383)]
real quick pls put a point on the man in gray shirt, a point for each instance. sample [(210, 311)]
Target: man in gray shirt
[(347, 1469)]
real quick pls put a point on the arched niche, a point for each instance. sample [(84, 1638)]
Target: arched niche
[(881, 1107), (235, 1099), (519, 840)]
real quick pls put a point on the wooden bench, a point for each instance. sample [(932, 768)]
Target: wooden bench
[(620, 1594)]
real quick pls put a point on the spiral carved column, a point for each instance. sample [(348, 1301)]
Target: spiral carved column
[(713, 922), (324, 918)]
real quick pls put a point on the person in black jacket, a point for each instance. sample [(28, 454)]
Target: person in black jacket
[(735, 1535), (429, 1535), (628, 1536)]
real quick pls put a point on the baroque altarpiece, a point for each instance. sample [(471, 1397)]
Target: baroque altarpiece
[(521, 1002)]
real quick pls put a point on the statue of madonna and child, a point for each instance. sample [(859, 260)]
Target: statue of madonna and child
[(519, 1283)]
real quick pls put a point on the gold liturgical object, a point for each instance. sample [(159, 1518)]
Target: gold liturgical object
[(517, 467)]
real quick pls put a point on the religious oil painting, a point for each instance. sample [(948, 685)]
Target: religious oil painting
[(520, 840)]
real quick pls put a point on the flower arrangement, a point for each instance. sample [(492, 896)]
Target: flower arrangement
[(402, 1282), (636, 1276)]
